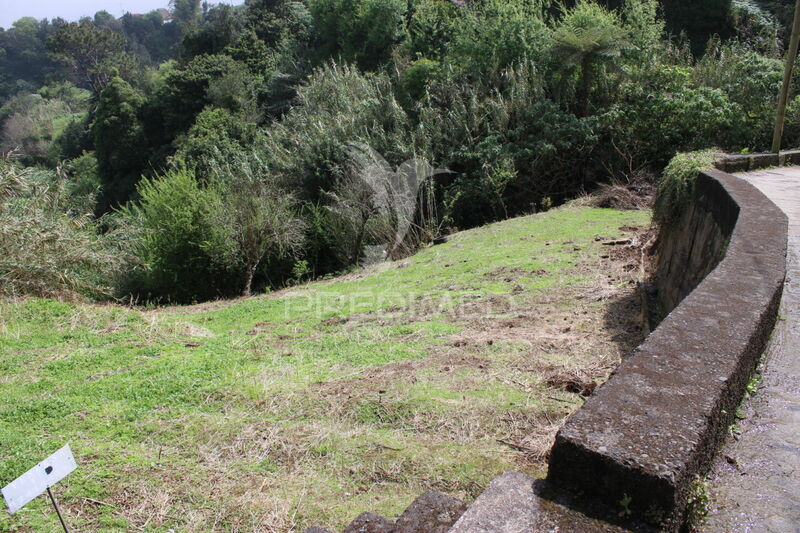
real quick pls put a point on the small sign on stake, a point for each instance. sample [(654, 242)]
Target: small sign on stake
[(39, 479)]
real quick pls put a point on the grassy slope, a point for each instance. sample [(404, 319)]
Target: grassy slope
[(313, 404)]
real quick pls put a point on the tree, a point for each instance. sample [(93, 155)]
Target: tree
[(699, 19), (430, 29), (186, 13), (119, 142), (363, 31), (215, 133), (276, 21), (354, 202), (185, 93), (150, 37), (257, 215), (24, 64), (92, 55), (494, 35), (221, 27), (103, 19), (587, 37), (377, 203)]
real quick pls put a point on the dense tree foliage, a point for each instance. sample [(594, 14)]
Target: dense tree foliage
[(91, 54), (118, 141), (216, 142)]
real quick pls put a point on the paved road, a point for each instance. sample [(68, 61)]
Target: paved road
[(756, 483)]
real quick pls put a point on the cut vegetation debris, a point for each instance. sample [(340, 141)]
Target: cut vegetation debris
[(312, 404)]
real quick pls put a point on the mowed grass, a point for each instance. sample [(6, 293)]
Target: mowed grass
[(310, 405)]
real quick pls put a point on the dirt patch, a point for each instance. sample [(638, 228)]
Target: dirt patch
[(554, 347), (509, 274)]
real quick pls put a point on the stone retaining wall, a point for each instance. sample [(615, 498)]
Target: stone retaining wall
[(692, 247), (640, 440), (747, 162)]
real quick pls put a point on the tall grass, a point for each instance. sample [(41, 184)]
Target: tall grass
[(47, 248)]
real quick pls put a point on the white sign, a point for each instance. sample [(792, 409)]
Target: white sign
[(38, 479)]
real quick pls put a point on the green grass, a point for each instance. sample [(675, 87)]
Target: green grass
[(312, 404)]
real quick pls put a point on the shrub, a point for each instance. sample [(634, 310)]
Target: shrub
[(660, 113), (337, 107), (325, 233), (183, 254), (494, 35), (431, 28), (30, 124), (215, 132), (751, 83), (73, 140), (677, 184), (83, 182), (415, 79), (755, 25), (645, 29), (508, 151), (257, 217), (361, 31)]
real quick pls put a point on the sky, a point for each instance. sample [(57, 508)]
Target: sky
[(11, 10)]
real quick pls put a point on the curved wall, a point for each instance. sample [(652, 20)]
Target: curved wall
[(656, 423)]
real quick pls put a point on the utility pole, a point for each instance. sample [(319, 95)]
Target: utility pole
[(787, 78)]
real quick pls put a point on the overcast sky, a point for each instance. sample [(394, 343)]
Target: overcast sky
[(11, 10)]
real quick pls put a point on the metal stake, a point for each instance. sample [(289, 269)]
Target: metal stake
[(58, 511), (787, 79)]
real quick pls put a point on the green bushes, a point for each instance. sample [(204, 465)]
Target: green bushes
[(119, 142), (508, 152), (257, 217), (216, 131), (662, 113), (29, 125), (245, 137), (677, 184), (362, 31), (339, 106), (430, 29), (203, 240), (181, 251), (750, 81), (494, 35)]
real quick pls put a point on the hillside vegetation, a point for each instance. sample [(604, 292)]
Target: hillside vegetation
[(209, 150), (311, 404)]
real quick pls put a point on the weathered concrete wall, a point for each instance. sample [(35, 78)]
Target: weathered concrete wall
[(691, 248), (746, 162), (694, 246), (657, 422)]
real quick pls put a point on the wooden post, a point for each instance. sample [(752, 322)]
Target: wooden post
[(787, 79)]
